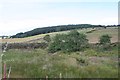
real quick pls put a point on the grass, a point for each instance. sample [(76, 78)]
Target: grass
[(38, 63), (92, 37), (18, 40)]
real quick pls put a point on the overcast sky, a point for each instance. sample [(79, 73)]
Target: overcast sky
[(24, 15)]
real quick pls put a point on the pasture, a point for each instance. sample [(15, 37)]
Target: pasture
[(39, 63), (93, 37)]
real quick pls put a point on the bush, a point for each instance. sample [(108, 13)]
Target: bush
[(73, 41), (105, 39), (47, 38), (105, 42)]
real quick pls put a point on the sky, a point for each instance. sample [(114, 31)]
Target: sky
[(24, 15)]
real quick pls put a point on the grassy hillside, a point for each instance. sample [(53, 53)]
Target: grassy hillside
[(93, 36), (93, 62), (56, 29)]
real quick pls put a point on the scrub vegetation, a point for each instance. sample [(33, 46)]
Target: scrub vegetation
[(67, 54)]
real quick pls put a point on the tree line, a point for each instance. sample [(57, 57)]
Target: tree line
[(57, 29)]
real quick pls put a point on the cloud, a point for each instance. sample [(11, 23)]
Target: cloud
[(13, 27), (23, 17)]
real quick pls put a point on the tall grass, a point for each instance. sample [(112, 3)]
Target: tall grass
[(37, 63)]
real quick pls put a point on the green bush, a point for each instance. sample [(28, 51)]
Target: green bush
[(47, 38), (105, 39), (73, 41), (105, 42)]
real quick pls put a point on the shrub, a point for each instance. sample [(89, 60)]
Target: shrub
[(105, 39), (73, 41), (47, 38), (105, 42)]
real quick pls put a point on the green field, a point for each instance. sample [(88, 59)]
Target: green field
[(38, 63)]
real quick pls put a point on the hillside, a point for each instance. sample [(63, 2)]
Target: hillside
[(38, 63), (58, 28), (28, 59), (92, 36)]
